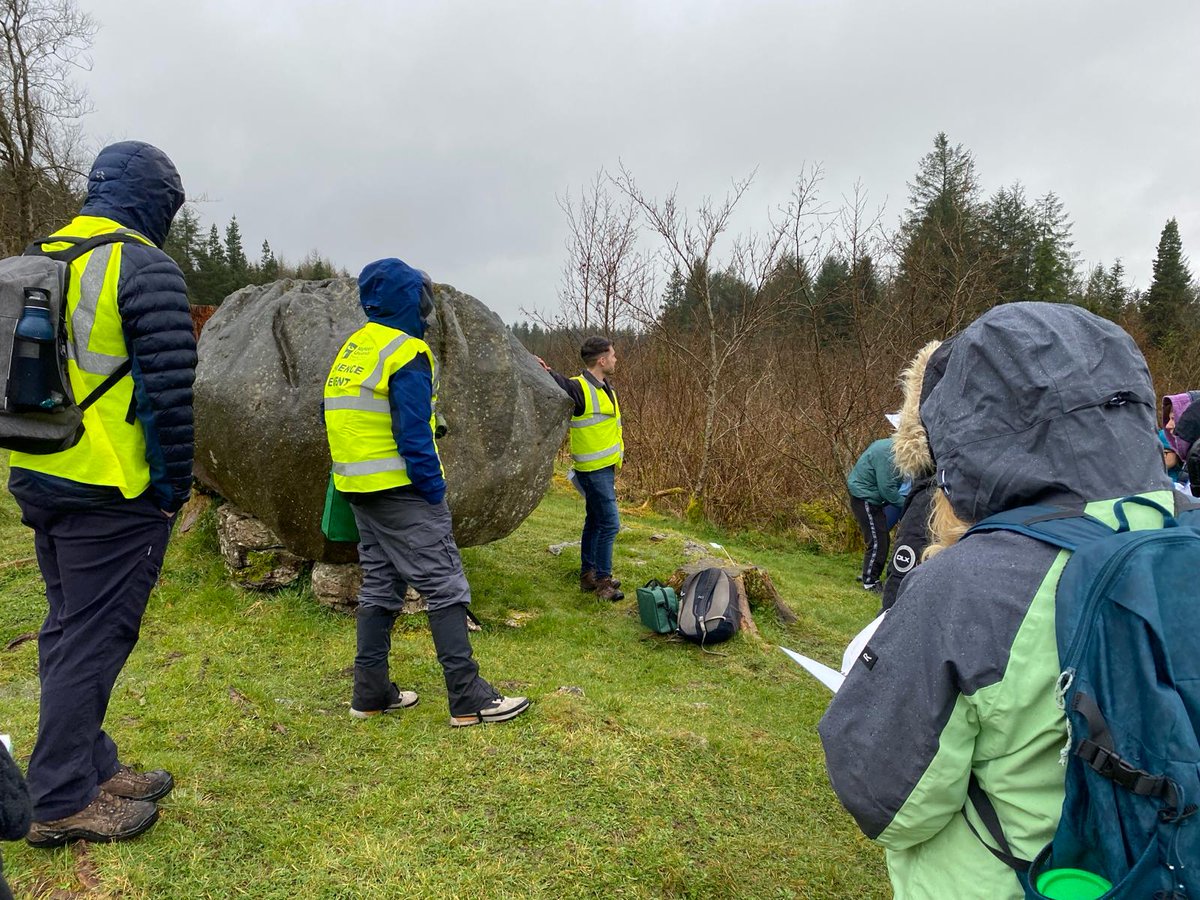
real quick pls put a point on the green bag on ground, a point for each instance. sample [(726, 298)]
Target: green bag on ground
[(337, 521), (658, 607)]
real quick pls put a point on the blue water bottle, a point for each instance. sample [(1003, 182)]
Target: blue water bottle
[(33, 373)]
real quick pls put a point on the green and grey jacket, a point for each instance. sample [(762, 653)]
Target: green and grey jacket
[(874, 477), (960, 677)]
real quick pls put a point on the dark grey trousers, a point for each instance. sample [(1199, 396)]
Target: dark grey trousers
[(404, 540)]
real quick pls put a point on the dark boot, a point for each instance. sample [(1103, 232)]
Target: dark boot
[(466, 691)]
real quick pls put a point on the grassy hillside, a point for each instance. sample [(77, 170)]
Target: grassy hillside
[(669, 772)]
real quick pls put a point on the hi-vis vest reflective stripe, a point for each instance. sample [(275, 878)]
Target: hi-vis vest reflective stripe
[(112, 451), (358, 417), (596, 435)]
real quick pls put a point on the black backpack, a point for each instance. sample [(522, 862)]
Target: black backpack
[(41, 279), (708, 607)]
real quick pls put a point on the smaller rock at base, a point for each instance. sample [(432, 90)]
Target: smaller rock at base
[(336, 585)]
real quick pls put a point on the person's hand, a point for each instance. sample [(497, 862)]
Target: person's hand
[(542, 363)]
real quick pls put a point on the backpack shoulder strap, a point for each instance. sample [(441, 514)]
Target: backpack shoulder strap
[(1065, 528), (80, 246), (107, 384), (977, 797)]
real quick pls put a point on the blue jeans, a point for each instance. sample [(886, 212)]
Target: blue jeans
[(601, 524)]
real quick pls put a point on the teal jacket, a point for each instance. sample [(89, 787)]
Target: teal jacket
[(874, 477), (959, 679)]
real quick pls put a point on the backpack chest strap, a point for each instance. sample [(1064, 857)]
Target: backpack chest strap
[(1098, 753)]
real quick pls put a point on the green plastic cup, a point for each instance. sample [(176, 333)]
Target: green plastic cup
[(1072, 884)]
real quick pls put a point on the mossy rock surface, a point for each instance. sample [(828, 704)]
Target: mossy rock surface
[(269, 569)]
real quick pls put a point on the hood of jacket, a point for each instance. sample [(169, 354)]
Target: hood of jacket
[(910, 443), (1042, 403), (390, 293), (137, 185)]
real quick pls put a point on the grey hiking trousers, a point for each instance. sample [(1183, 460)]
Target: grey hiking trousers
[(405, 541)]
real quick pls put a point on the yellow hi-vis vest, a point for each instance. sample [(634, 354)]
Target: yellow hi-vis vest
[(596, 435), (112, 451), (358, 417)]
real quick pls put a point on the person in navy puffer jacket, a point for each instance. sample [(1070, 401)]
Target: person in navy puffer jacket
[(101, 511)]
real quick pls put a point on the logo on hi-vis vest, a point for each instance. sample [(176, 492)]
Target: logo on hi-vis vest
[(904, 559), (345, 372)]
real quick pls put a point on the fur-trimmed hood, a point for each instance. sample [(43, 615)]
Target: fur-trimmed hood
[(910, 443)]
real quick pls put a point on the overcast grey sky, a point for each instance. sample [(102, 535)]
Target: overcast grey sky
[(441, 132)]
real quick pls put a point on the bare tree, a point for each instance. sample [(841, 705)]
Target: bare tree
[(851, 343), (604, 271), (732, 297), (42, 44)]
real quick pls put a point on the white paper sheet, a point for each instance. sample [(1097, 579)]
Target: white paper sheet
[(827, 676), (859, 643)]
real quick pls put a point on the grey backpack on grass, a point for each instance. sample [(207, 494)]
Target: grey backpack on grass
[(708, 607), (58, 423)]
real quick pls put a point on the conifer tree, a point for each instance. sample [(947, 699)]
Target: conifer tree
[(1116, 292), (214, 249), (944, 275), (235, 255), (946, 188), (211, 281), (183, 242), (1011, 238), (268, 265), (1169, 303), (1053, 261)]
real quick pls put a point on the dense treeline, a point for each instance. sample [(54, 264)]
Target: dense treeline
[(216, 265), (754, 368)]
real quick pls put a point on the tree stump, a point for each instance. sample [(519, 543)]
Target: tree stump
[(754, 589)]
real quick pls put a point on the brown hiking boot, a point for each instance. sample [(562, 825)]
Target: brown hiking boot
[(107, 818), (134, 785), (588, 582), (607, 589)]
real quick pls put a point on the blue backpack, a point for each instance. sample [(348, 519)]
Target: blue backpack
[(1127, 614)]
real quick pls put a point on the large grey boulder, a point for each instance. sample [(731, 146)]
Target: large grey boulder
[(260, 438)]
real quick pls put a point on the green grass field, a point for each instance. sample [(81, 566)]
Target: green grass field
[(674, 773)]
